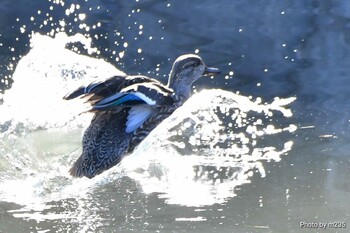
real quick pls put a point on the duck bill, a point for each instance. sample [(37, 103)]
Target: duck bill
[(209, 71)]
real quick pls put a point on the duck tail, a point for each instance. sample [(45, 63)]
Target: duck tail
[(77, 171)]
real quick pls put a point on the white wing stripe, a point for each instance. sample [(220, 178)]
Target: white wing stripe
[(148, 100)]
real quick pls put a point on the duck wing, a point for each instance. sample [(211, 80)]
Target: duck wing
[(151, 93), (101, 88), (98, 87), (142, 99)]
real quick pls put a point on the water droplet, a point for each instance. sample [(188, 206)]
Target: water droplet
[(81, 17), (121, 54), (62, 23)]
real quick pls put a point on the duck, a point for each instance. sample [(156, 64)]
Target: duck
[(127, 108)]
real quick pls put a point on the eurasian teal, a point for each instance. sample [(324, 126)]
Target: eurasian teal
[(127, 108)]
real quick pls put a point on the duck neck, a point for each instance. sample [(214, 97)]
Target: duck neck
[(180, 87)]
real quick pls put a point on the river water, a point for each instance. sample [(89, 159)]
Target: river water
[(263, 147)]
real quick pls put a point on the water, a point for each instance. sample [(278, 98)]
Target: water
[(262, 148)]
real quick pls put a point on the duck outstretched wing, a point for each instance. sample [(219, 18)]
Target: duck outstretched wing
[(140, 94), (151, 94), (99, 89)]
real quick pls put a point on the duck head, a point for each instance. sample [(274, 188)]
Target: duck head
[(185, 71)]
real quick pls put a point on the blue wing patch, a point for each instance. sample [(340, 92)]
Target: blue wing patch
[(123, 99)]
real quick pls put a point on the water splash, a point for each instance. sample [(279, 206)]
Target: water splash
[(213, 144), (44, 76), (40, 132), (209, 147)]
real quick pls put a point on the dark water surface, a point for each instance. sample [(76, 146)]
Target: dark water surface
[(264, 49)]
